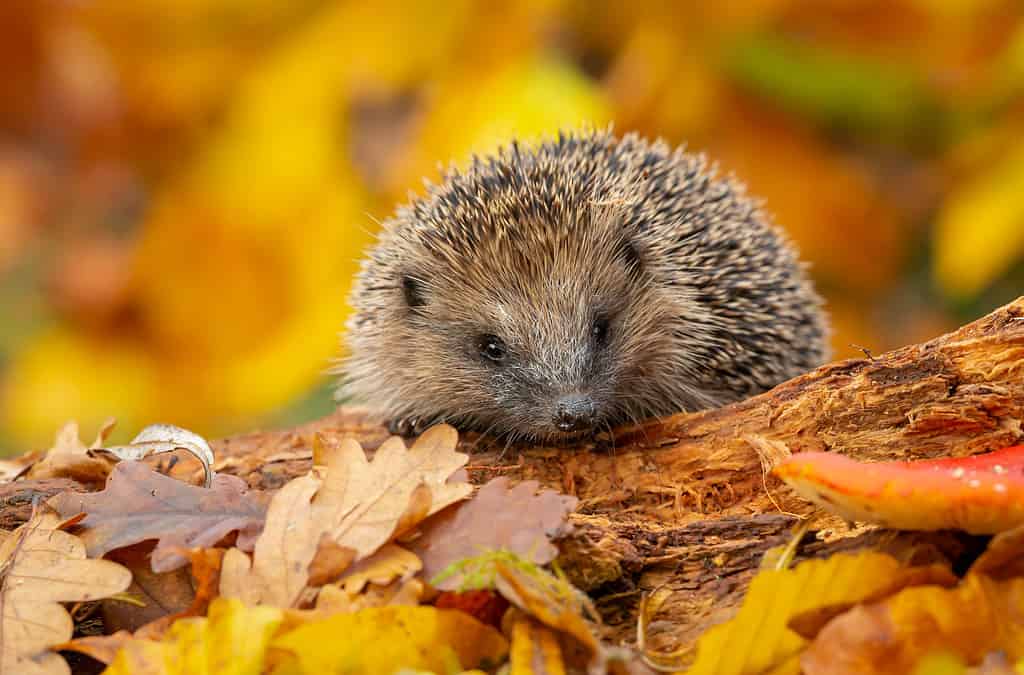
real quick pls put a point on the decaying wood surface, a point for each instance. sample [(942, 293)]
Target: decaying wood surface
[(685, 500)]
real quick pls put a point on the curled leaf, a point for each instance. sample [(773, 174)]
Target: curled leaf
[(158, 438)]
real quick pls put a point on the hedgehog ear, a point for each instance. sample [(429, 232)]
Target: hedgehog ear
[(628, 253), (412, 290)]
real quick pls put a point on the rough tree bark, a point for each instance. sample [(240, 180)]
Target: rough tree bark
[(685, 500)]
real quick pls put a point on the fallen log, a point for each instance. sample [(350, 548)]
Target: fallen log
[(686, 500)]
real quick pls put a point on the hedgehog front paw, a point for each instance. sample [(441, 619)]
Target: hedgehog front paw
[(410, 425)]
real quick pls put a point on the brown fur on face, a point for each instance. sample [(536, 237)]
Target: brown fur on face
[(589, 271)]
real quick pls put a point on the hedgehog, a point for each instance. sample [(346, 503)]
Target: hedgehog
[(551, 291)]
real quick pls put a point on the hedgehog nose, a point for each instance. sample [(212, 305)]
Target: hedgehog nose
[(575, 412)]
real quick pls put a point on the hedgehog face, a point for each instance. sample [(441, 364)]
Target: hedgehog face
[(539, 343)]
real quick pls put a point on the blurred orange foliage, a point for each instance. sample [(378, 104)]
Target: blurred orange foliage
[(186, 185)]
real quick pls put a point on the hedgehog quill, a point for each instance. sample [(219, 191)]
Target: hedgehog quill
[(546, 292)]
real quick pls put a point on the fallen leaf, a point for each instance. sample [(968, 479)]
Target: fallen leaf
[(353, 503), (70, 458), (758, 637), (1003, 558), (390, 562), (333, 599), (102, 648), (364, 501), (329, 561), (44, 566), (231, 640), (499, 516), (535, 649), (979, 616), (983, 494), (154, 596), (485, 606), (552, 601), (139, 504), (159, 438), (423, 638), (279, 569), (206, 564)]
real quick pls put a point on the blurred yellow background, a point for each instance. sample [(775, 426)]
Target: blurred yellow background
[(186, 185)]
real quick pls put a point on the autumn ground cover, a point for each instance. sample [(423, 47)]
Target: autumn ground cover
[(185, 187)]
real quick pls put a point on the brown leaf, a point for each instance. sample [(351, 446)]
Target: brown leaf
[(155, 595), (365, 501), (206, 564), (139, 504), (551, 601), (358, 504), (333, 599), (70, 458), (103, 648), (45, 566), (330, 560), (387, 564), (518, 519), (279, 568)]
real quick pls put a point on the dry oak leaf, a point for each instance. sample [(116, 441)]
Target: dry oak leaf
[(390, 562), (139, 504), (334, 599), (555, 603), (205, 574), (389, 639), (977, 617), (70, 458), (982, 494), (535, 649), (758, 637), (43, 566), (231, 640), (365, 502), (518, 519), (350, 503)]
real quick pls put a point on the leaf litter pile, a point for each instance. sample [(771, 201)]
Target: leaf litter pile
[(396, 563)]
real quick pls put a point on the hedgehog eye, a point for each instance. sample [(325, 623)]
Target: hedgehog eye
[(599, 330), (413, 292), (492, 348)]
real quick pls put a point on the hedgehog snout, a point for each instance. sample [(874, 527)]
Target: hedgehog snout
[(575, 412)]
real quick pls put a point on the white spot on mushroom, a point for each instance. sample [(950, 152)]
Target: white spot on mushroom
[(998, 468), (958, 472), (999, 487), (974, 482)]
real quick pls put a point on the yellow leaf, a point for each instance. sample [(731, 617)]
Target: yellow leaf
[(424, 638), (231, 640), (758, 639), (535, 644), (980, 233), (977, 617)]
